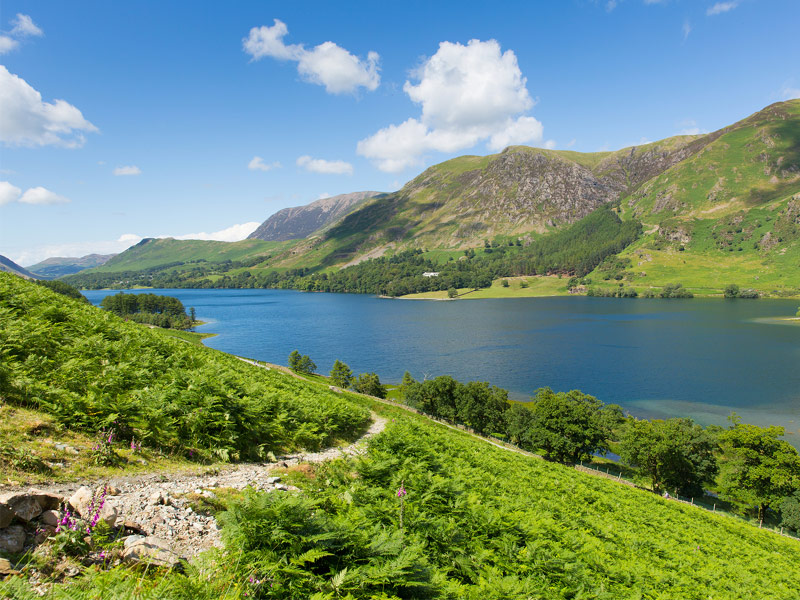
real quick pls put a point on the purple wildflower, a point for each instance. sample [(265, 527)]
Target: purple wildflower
[(401, 492)]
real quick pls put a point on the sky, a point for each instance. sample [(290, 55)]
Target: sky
[(120, 121)]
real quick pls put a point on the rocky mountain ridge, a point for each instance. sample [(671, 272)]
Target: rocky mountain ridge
[(301, 221)]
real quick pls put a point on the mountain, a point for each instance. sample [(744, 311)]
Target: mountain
[(715, 209), (301, 221), (9, 266), (60, 266)]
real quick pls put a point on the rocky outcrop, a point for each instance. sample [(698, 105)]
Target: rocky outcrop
[(301, 221)]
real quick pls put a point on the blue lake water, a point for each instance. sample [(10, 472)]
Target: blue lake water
[(656, 358)]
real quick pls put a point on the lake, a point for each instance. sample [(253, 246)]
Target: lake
[(701, 358)]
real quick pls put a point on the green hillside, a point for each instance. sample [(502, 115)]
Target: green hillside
[(155, 252), (92, 371)]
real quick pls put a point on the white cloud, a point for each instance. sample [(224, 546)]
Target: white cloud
[(468, 94), (7, 44), (8, 193), (687, 29), (690, 127), (721, 7), (323, 195), (258, 164), (129, 238), (611, 5), (27, 121), (788, 93), (327, 167), (40, 195), (24, 26), (234, 233), (327, 64), (571, 143), (127, 170)]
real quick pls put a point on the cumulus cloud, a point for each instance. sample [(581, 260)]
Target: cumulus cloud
[(327, 64), (27, 121), (24, 27), (468, 94), (721, 7), (40, 195), (9, 193), (327, 167), (689, 127), (687, 29), (7, 44), (127, 170), (234, 233), (258, 164)]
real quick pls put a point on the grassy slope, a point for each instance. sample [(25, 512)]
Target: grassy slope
[(156, 252), (90, 369), (537, 287), (719, 204)]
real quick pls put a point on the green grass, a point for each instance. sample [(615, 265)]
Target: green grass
[(156, 252), (538, 286)]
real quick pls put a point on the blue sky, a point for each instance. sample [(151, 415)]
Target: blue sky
[(127, 120)]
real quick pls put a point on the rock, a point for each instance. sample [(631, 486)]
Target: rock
[(5, 567), (46, 500), (12, 539), (23, 505), (109, 513), (130, 540), (80, 500), (273, 480), (42, 533), (6, 516), (66, 448), (50, 517), (153, 550), (282, 487)]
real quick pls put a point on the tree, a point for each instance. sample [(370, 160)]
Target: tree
[(370, 384), (306, 365), (731, 290), (675, 454), (759, 469), (294, 360), (192, 314), (481, 406), (452, 292), (567, 426), (341, 375), (790, 511), (519, 420)]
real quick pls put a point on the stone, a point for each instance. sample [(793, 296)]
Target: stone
[(42, 533), (66, 448), (6, 516), (273, 480), (130, 540), (152, 550), (12, 539), (109, 513), (46, 500), (23, 505), (50, 517), (80, 500), (6, 568)]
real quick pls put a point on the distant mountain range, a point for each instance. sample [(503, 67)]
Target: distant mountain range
[(718, 208), (59, 266), (9, 266)]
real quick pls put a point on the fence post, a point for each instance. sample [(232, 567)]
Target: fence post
[(715, 507), (692, 501), (760, 523)]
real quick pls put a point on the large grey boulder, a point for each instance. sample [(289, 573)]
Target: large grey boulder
[(6, 516)]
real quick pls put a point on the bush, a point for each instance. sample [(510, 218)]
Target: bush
[(370, 384), (731, 290)]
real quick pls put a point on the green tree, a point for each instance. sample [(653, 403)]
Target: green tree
[(294, 360), (675, 454), (193, 315), (481, 406), (731, 290), (306, 365), (504, 283), (567, 426), (759, 468), (341, 375), (519, 421), (790, 511), (452, 292), (370, 384), (406, 383)]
